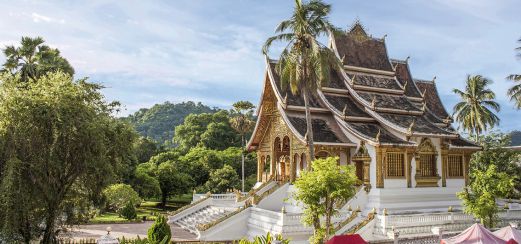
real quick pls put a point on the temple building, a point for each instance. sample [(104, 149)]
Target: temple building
[(372, 114)]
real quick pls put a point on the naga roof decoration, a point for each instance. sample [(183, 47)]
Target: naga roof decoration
[(374, 99)]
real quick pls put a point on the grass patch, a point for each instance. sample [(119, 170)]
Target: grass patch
[(150, 209)]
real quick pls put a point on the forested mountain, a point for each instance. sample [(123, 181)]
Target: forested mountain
[(159, 121)]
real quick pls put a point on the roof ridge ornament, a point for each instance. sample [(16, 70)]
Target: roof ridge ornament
[(285, 101), (409, 130), (344, 111), (423, 93), (424, 107), (373, 103), (407, 59), (405, 86), (343, 58), (353, 79), (377, 138), (434, 80)]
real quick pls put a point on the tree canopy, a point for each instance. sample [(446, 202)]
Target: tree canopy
[(475, 111), (321, 189), (223, 179), (515, 91), (159, 121), (33, 59), (60, 143)]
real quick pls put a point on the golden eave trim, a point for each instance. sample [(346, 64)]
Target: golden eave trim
[(378, 89), (303, 109), (369, 71), (335, 90)]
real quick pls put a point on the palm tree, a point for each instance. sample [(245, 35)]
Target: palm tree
[(33, 59), (243, 124), (515, 91), (475, 112), (305, 63)]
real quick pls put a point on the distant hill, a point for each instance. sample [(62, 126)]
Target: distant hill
[(159, 121), (516, 138)]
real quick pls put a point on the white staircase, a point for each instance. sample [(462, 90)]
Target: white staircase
[(205, 215)]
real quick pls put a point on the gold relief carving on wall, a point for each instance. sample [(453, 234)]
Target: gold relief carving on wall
[(426, 164)]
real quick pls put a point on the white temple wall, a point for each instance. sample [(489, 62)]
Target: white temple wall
[(395, 183), (371, 150), (343, 158), (456, 183)]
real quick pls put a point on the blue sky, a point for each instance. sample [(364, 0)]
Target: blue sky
[(148, 52)]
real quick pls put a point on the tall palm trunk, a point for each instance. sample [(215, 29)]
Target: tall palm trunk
[(309, 129)]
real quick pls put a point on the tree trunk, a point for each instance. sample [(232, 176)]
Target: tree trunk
[(309, 129), (164, 197), (329, 211), (316, 226), (48, 234), (242, 155)]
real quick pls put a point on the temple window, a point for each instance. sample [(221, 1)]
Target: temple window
[(395, 164), (426, 159), (455, 166)]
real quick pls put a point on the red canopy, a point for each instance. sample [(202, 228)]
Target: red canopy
[(351, 239)]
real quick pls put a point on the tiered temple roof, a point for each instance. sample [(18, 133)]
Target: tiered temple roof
[(374, 98)]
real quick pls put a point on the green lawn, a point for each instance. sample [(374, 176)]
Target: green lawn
[(149, 209)]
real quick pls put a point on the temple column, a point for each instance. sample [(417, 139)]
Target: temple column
[(409, 155), (380, 152), (367, 165), (444, 158), (466, 167), (259, 167), (291, 169)]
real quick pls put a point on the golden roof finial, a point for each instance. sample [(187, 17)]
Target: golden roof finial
[(345, 110), (423, 93), (343, 58), (383, 38), (377, 138), (405, 86), (434, 79), (424, 107), (353, 79), (407, 59), (286, 99), (373, 103), (409, 131)]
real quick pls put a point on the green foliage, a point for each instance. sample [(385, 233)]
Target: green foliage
[(479, 198), (118, 195), (138, 240), (475, 112), (159, 121), (323, 188), (212, 131), (172, 181), (159, 232), (145, 148), (515, 91), (33, 59), (129, 211), (305, 64), (145, 184), (267, 239), (222, 179), (495, 153), (67, 144)]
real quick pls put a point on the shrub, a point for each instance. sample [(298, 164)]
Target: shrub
[(159, 232), (128, 212), (118, 195)]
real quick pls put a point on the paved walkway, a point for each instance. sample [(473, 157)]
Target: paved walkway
[(125, 230)]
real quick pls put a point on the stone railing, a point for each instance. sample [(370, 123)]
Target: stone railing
[(360, 225), (353, 216), (258, 198)]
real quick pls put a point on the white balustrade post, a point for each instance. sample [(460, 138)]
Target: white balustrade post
[(384, 221), (451, 217), (396, 234)]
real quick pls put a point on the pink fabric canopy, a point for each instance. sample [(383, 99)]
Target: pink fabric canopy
[(509, 233), (476, 234)]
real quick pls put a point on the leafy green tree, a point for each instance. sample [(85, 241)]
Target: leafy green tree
[(515, 91), (243, 123), (33, 59), (145, 184), (172, 181), (267, 239), (159, 121), (212, 131), (223, 179), (145, 148), (475, 112), (159, 232), (479, 198), (128, 211), (118, 195), (61, 134), (321, 189), (305, 63), (495, 152)]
